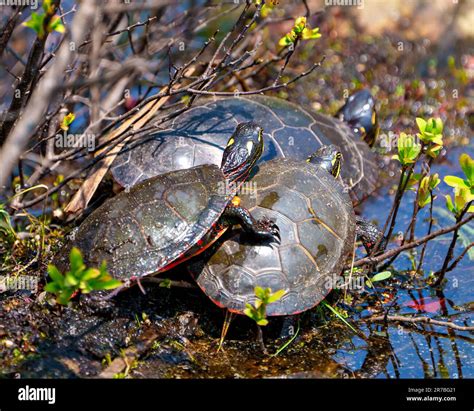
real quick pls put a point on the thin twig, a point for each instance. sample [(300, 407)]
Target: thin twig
[(439, 275), (416, 243), (426, 320)]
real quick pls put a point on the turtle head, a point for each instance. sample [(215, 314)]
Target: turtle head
[(243, 150), (329, 158), (359, 113)]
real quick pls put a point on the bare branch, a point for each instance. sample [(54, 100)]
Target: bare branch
[(425, 320), (38, 103)]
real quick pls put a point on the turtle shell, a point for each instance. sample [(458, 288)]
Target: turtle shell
[(317, 227), (142, 231), (199, 136)]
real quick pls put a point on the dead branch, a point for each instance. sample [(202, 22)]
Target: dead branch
[(413, 320), (38, 103), (395, 251)]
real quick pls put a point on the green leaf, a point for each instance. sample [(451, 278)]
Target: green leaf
[(56, 25), (262, 322), (65, 296), (67, 120), (104, 285), (52, 287), (462, 197), (55, 275), (449, 204), (166, 283), (467, 165), (437, 140), (434, 181), (260, 293), (421, 124), (70, 279), (299, 30), (381, 276), (48, 6), (75, 258), (90, 273), (310, 34), (408, 149), (287, 39), (454, 181), (433, 150), (79, 278), (85, 287), (423, 202), (36, 23), (249, 312), (277, 295), (300, 24)]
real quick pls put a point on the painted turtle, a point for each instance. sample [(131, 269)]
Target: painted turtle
[(168, 218), (198, 136), (318, 227)]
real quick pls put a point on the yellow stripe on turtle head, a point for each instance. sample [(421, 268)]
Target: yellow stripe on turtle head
[(231, 141), (249, 146), (336, 164)]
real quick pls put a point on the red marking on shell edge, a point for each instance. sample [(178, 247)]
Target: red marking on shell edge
[(183, 257)]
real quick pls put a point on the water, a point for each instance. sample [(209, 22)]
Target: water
[(187, 324)]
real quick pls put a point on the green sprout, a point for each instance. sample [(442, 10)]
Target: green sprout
[(463, 188), (300, 30), (267, 8), (408, 149), (258, 313), (339, 313), (45, 22), (166, 283), (431, 134), (7, 232), (66, 121), (78, 279), (460, 74), (426, 185)]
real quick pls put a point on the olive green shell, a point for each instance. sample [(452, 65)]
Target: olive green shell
[(141, 231), (317, 227)]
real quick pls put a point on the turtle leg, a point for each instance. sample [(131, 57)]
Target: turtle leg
[(369, 234), (264, 228)]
